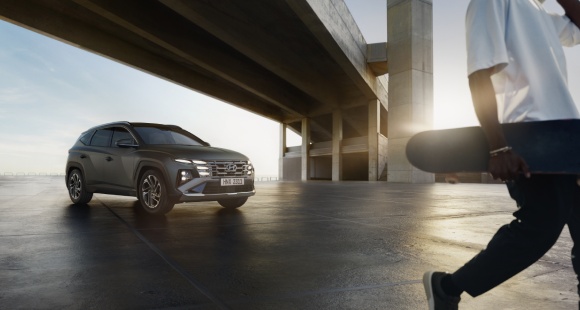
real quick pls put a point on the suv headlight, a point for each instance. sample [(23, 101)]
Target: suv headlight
[(203, 171), (190, 161), (183, 161), (203, 168)]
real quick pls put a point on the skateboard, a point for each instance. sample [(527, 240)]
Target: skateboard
[(546, 146)]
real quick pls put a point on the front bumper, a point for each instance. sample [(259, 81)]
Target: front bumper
[(209, 189)]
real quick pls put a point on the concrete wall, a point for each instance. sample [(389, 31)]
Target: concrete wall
[(292, 168), (321, 168), (355, 167)]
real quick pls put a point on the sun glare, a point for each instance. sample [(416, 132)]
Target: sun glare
[(452, 101), (453, 115)]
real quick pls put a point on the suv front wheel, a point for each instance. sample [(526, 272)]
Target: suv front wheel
[(152, 193)]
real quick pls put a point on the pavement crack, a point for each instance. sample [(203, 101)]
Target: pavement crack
[(172, 263)]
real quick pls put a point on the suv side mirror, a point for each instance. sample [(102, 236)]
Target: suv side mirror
[(127, 143)]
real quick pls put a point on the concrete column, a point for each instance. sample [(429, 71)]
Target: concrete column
[(305, 149), (373, 138), (410, 50), (336, 143), (282, 151)]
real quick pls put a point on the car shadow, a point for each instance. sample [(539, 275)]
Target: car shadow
[(144, 220)]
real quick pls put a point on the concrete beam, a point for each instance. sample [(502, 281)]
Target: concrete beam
[(331, 22), (208, 56), (59, 26), (377, 58), (234, 32)]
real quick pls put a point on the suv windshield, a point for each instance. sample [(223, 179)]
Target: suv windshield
[(167, 135)]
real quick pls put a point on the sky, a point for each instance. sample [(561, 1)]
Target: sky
[(50, 92)]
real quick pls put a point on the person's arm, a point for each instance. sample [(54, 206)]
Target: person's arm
[(572, 9), (504, 165)]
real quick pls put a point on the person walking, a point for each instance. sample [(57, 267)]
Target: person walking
[(517, 73)]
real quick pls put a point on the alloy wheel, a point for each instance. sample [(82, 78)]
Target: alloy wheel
[(151, 191), (75, 186)]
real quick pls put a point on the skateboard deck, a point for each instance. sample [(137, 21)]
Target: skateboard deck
[(547, 147)]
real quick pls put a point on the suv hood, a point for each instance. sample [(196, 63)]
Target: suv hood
[(197, 152)]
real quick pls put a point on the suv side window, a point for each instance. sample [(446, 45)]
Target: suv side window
[(102, 137), (121, 134), (86, 137)]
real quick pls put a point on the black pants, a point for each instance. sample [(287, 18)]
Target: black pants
[(545, 204)]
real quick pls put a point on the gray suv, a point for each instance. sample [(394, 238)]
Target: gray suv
[(159, 164)]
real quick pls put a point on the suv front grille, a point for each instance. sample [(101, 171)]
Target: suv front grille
[(228, 168)]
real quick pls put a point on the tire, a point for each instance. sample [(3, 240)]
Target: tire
[(76, 188), (233, 203), (152, 193)]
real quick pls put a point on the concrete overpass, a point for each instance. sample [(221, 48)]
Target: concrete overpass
[(303, 63)]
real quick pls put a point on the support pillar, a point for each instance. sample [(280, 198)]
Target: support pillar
[(282, 151), (336, 145), (305, 149), (374, 128), (410, 50)]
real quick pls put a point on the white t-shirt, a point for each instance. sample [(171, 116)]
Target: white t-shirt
[(524, 44)]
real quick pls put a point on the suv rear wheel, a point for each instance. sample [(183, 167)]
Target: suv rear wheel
[(233, 203), (77, 189), (152, 193)]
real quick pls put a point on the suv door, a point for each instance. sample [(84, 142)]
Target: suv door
[(119, 166), (97, 154)]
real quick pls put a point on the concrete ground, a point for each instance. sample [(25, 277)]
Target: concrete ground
[(315, 245)]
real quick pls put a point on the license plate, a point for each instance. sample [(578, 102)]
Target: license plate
[(232, 181)]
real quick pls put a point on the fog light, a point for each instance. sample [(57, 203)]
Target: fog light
[(249, 169), (184, 176)]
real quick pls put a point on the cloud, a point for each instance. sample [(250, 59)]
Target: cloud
[(14, 95)]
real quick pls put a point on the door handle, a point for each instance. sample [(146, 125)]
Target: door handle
[(83, 156), (108, 158)]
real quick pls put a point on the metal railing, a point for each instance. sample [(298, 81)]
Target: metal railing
[(265, 179), (22, 174)]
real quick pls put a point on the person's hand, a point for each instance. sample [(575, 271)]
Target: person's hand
[(507, 165)]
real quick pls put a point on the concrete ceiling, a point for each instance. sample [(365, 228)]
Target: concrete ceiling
[(281, 59)]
